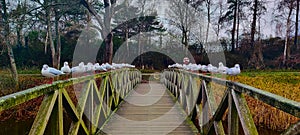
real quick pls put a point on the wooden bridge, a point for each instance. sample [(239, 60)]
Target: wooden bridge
[(173, 102)]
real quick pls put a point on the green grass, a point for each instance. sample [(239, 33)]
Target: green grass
[(30, 70), (276, 77)]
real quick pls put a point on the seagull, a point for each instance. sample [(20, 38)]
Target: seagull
[(222, 69), (194, 67), (97, 67), (50, 72), (78, 69), (204, 68), (234, 70), (66, 68), (89, 67), (129, 66), (212, 69), (107, 66), (116, 66)]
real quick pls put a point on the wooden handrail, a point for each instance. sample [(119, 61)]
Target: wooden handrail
[(199, 103), (94, 106)]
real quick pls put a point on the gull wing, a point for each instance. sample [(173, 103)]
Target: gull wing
[(55, 71)]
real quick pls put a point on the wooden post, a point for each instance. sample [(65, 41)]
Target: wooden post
[(233, 120)]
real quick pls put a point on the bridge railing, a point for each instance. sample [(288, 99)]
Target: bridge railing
[(199, 102), (91, 110)]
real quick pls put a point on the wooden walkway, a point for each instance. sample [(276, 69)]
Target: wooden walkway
[(149, 110)]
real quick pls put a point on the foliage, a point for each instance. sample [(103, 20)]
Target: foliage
[(285, 84)]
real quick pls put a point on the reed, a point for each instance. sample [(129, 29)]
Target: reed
[(285, 84)]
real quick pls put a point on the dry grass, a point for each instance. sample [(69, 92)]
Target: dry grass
[(284, 84)]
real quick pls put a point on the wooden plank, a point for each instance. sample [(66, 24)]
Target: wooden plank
[(209, 98), (150, 119), (284, 104), (217, 118), (60, 113), (244, 114), (233, 119), (42, 118), (69, 106), (80, 109)]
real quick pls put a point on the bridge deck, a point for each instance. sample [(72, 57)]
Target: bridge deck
[(149, 109)]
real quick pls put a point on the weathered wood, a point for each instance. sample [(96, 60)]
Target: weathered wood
[(222, 107), (70, 107), (80, 109), (279, 102), (60, 112), (161, 117), (205, 109), (284, 104), (56, 99), (244, 114), (14, 99), (41, 120), (217, 118), (233, 117), (208, 92)]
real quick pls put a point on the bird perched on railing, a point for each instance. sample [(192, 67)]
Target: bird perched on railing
[(78, 69), (129, 66), (66, 69), (89, 67), (50, 72), (222, 69), (209, 68), (204, 68), (176, 65), (212, 69), (108, 66), (97, 67), (193, 67), (234, 70)]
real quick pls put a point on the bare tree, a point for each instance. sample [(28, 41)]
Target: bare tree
[(256, 59), (7, 42), (183, 18), (287, 5), (105, 25), (229, 15), (296, 26)]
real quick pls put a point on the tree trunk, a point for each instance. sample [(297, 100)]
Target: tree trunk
[(233, 27), (7, 43), (126, 40), (106, 33), (238, 25), (287, 50), (49, 30), (139, 48), (46, 42), (19, 33), (220, 15), (208, 19), (253, 26), (58, 42), (296, 25), (256, 59), (184, 41), (127, 30), (107, 27)]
